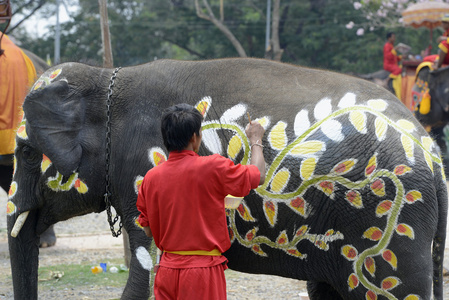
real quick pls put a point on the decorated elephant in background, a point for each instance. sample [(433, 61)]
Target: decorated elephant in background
[(27, 62), (354, 200)]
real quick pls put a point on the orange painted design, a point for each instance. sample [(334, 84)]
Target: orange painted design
[(231, 234), (353, 281), (80, 186), (244, 212), (401, 170), (298, 204), (370, 295), (256, 249), (251, 234), (282, 238), (270, 209), (404, 229), (55, 74), (370, 265), (372, 165), (383, 208), (302, 230), (390, 283), (77, 183), (378, 187), (349, 252), (202, 107), (413, 196), (158, 158), (354, 198), (373, 233), (344, 167), (412, 297), (390, 257), (10, 208), (12, 189), (294, 252), (38, 84), (327, 187)]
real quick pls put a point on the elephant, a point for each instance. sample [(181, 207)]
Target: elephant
[(354, 200), (48, 238)]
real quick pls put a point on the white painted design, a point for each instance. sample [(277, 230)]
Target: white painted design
[(347, 100), (234, 113), (302, 122), (137, 183), (265, 122), (144, 258), (322, 109), (378, 104), (332, 129), (151, 155), (212, 141)]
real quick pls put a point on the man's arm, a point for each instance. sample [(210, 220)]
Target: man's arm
[(255, 132), (147, 230)]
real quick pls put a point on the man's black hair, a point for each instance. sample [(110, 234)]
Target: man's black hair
[(178, 124), (389, 34)]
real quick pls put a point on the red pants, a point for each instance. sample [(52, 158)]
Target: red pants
[(190, 283)]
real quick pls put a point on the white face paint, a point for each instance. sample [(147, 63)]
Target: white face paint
[(144, 258)]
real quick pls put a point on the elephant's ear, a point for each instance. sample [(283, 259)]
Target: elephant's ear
[(54, 119)]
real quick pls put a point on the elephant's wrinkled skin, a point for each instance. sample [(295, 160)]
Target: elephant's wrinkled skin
[(354, 198)]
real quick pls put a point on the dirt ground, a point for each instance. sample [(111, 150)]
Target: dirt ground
[(86, 239)]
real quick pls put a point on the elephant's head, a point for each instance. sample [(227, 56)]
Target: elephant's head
[(50, 183)]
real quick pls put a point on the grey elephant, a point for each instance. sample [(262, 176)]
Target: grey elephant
[(354, 200)]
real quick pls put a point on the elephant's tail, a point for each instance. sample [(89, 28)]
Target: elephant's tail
[(440, 238)]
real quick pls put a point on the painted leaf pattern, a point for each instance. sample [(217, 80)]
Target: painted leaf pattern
[(307, 168), (294, 252), (406, 125), (280, 180), (383, 208), (204, 105), (302, 230), (298, 205), (370, 265), (12, 190), (390, 257), (407, 144), (358, 120), (234, 147), (302, 122), (370, 295), (378, 187), (233, 113), (372, 165), (412, 297), (244, 212), (381, 127), (251, 234), (307, 148), (373, 233), (354, 198), (379, 105), (344, 167), (413, 196), (401, 170), (390, 283), (270, 209), (322, 109), (349, 252), (406, 230), (10, 208), (45, 164), (256, 249), (333, 130), (80, 186), (326, 187), (353, 281), (278, 137), (282, 238)]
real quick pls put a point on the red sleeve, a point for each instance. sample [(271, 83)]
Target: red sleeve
[(142, 206)]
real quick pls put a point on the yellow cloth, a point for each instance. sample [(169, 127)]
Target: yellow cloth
[(397, 85), (214, 252), (17, 74)]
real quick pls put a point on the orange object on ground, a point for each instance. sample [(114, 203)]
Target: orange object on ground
[(17, 74)]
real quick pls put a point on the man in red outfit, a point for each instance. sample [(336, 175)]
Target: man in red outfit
[(391, 60), (182, 206)]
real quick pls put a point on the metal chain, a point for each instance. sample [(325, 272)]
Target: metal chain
[(107, 195)]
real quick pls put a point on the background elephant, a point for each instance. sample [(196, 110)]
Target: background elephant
[(354, 197), (12, 54)]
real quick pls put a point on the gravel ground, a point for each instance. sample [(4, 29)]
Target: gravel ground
[(84, 240)]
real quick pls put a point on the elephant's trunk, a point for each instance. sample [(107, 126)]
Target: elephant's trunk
[(24, 255)]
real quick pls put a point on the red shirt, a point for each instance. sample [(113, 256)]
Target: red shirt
[(391, 59), (182, 200)]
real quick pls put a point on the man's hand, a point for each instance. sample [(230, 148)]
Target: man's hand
[(148, 232), (254, 131)]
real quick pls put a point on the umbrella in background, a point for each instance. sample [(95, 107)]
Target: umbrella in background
[(425, 14)]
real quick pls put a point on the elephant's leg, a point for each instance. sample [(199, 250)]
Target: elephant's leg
[(138, 285), (6, 176), (48, 238), (438, 134), (322, 291)]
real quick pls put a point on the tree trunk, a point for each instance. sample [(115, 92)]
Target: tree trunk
[(105, 36), (275, 43)]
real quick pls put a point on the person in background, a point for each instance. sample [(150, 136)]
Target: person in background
[(181, 204), (443, 46), (391, 63), (445, 26)]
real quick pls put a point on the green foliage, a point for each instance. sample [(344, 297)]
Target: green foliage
[(312, 33)]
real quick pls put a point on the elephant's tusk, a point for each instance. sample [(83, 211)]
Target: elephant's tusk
[(19, 223)]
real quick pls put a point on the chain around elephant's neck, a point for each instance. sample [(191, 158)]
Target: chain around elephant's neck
[(107, 194)]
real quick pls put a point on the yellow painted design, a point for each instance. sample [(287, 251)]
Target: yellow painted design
[(406, 230), (344, 166), (378, 187), (137, 184), (80, 186), (234, 147), (256, 249), (278, 137), (308, 148), (353, 281), (412, 297), (250, 235), (12, 189), (407, 143), (354, 198), (358, 120), (45, 164), (390, 283), (307, 168), (373, 233), (370, 295), (158, 158), (55, 74), (427, 142), (428, 159), (406, 125), (370, 265), (270, 208), (391, 258), (379, 105), (413, 196), (381, 128), (298, 205), (204, 105), (302, 230), (383, 208), (137, 223), (349, 252), (10, 208), (21, 132), (326, 187), (280, 180), (282, 238), (294, 252), (15, 165), (244, 212), (372, 165), (401, 170), (263, 121)]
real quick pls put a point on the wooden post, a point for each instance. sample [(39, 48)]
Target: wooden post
[(108, 62), (105, 38)]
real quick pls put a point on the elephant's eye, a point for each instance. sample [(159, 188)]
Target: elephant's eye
[(29, 155)]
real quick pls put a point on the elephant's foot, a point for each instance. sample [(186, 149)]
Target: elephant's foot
[(322, 291), (48, 238)]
